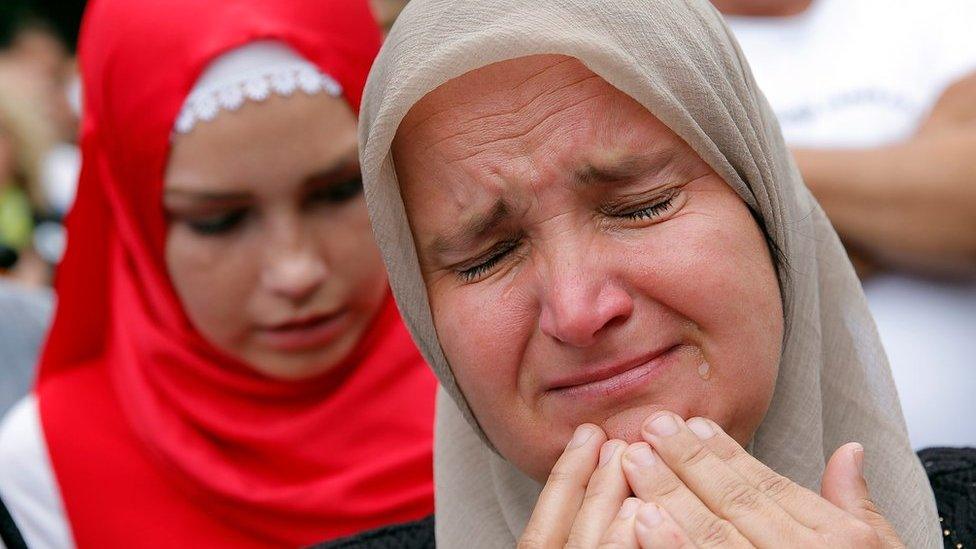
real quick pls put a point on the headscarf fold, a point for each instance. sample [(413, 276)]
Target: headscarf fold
[(158, 439), (679, 60)]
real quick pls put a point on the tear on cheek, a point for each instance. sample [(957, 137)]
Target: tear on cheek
[(704, 370)]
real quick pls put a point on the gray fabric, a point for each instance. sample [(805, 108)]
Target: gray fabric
[(677, 58), (24, 317)]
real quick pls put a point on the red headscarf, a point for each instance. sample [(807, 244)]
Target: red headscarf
[(156, 438)]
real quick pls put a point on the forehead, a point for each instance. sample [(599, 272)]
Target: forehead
[(526, 119), (278, 139)]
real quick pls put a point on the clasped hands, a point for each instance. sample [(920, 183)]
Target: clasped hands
[(689, 484)]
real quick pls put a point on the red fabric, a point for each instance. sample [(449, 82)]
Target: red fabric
[(156, 438)]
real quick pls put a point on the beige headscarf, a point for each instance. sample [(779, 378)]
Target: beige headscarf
[(678, 59)]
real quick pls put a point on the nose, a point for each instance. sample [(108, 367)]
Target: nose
[(581, 301), (294, 268)]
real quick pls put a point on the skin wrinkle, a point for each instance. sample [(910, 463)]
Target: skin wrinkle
[(517, 132), (584, 287)]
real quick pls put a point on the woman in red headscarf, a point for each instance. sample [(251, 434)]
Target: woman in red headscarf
[(226, 367)]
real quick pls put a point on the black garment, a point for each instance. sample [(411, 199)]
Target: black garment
[(418, 534), (952, 473), (9, 534)]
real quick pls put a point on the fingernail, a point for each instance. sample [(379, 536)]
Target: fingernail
[(702, 429), (629, 507), (859, 458), (663, 425), (649, 515), (607, 452), (582, 434), (641, 455)]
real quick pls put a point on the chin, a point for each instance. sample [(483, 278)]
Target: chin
[(626, 425)]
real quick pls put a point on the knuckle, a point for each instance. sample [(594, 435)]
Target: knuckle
[(560, 474), (853, 533), (615, 540), (863, 535), (777, 487), (532, 539), (667, 487), (575, 541), (594, 493), (740, 499), (715, 532), (694, 456), (867, 505)]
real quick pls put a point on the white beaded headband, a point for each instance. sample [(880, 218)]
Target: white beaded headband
[(252, 72)]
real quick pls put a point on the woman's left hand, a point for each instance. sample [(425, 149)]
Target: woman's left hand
[(702, 489)]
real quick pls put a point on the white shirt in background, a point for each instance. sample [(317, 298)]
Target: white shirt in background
[(862, 73)]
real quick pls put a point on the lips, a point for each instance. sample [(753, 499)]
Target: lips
[(603, 379), (303, 333)]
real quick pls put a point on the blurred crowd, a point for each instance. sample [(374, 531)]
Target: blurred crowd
[(40, 106), (39, 161)]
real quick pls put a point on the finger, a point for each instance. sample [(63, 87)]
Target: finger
[(724, 491), (620, 534), (655, 528), (652, 481), (562, 495), (844, 485), (605, 493), (802, 504)]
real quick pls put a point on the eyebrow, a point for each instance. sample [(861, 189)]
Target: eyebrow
[(623, 168), (345, 166), (472, 230)]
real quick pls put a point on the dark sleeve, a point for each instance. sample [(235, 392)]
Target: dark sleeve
[(952, 473), (9, 533), (418, 534)]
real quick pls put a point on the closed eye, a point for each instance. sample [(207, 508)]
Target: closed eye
[(337, 193), (486, 263), (215, 225), (647, 210), (650, 212)]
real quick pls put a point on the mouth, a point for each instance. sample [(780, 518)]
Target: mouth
[(615, 378), (303, 333)]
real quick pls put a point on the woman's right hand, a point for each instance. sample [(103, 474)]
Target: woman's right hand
[(584, 503)]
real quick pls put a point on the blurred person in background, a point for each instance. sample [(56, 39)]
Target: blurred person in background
[(386, 12), (38, 89), (24, 316), (226, 367), (37, 48), (878, 101), (25, 137)]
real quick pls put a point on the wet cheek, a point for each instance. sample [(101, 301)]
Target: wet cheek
[(715, 273)]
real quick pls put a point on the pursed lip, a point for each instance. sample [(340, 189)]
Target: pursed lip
[(300, 322), (602, 377), (303, 333)]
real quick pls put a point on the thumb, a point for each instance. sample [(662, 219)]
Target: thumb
[(844, 485)]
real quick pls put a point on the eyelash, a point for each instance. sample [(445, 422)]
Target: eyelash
[(648, 212), (226, 222), (339, 192), (472, 273), (218, 224)]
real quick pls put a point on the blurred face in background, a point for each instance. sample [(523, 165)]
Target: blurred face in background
[(269, 246), (762, 8), (6, 158), (583, 263), (386, 12)]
